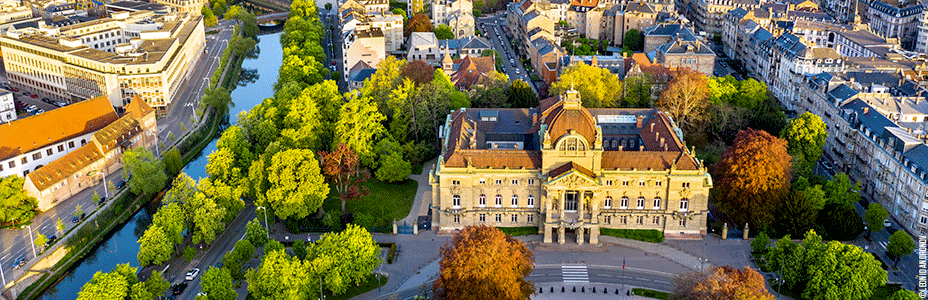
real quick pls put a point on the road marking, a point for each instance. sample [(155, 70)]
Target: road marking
[(883, 244), (604, 275), (575, 274), (661, 281)]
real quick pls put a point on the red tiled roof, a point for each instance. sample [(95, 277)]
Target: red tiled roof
[(495, 159), (651, 135), (567, 167), (59, 169), (644, 160), (472, 71), (561, 121), (138, 107)]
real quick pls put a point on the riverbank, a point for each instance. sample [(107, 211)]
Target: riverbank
[(52, 266)]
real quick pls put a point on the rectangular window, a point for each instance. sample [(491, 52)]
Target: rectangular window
[(457, 218), (499, 218), (1, 167), (515, 201), (607, 220), (608, 203), (71, 144), (12, 164), (515, 182), (625, 183), (515, 218), (656, 220), (530, 218), (483, 181), (684, 204), (499, 182), (640, 202), (24, 160), (623, 220), (923, 220), (482, 200), (531, 182), (624, 203), (657, 202), (530, 201), (455, 182), (682, 222), (641, 183), (35, 156), (49, 151), (483, 217), (686, 185), (659, 183), (608, 182), (639, 220)]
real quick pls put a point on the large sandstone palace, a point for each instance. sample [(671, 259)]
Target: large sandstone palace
[(568, 170)]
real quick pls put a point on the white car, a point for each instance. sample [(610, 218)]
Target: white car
[(887, 223), (192, 274)]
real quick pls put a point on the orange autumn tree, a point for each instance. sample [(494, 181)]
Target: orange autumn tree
[(482, 262), (341, 168), (721, 283), (753, 176), (686, 97)]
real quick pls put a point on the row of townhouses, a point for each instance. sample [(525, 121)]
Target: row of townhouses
[(859, 78)]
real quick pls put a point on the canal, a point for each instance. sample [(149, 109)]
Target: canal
[(258, 77)]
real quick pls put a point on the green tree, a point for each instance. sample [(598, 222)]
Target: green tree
[(154, 246), (151, 288), (209, 19), (173, 162), (299, 249), (218, 98), (521, 95), (328, 6), (281, 276), (840, 222), (207, 219), (360, 126), (227, 197), (634, 40), (78, 211), (59, 226), (217, 284), (760, 242), (443, 32), (16, 206), (147, 171), (492, 93), (900, 244), (255, 233), (302, 125), (839, 271), (112, 285), (172, 221), (874, 216), (638, 90), (346, 257), (40, 239), (904, 294), (297, 186), (806, 136), (233, 12), (797, 213), (839, 190), (393, 168), (598, 87), (234, 260)]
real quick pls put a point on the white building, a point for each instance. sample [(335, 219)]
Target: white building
[(7, 106), (364, 44), (900, 23), (424, 46), (457, 14)]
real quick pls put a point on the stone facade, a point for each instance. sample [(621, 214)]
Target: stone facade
[(567, 169), (457, 14)]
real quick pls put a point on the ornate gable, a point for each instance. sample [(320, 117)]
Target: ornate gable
[(573, 179)]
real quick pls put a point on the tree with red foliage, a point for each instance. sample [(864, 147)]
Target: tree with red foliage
[(482, 262), (418, 23), (419, 71), (341, 168), (721, 283), (753, 176)]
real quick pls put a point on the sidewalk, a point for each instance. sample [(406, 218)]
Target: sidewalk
[(543, 291), (669, 249), (420, 206)]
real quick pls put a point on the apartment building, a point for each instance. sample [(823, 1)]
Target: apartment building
[(79, 168), (896, 21), (861, 42), (14, 10), (619, 19), (569, 171), (185, 6), (673, 45), (7, 106), (363, 44), (120, 57), (709, 15), (877, 124), (457, 14), (786, 61)]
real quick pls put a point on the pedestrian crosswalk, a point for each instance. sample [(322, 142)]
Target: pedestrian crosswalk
[(883, 244), (575, 274)]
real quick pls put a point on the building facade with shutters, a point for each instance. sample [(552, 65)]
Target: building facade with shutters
[(568, 170)]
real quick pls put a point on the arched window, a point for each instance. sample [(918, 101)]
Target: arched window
[(684, 204), (499, 200), (657, 202), (515, 200), (531, 201), (640, 202), (572, 144), (624, 203), (482, 200), (608, 203), (456, 201)]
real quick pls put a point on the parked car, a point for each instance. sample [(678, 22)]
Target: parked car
[(51, 240), (827, 166), (75, 219), (887, 223), (61, 104), (19, 263), (15, 89), (121, 184), (34, 96), (192, 274), (102, 200), (179, 288)]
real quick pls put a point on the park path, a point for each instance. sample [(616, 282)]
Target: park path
[(420, 205)]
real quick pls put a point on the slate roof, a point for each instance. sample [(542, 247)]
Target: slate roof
[(874, 120)]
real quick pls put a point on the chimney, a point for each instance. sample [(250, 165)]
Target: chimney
[(866, 110), (638, 121), (621, 147), (663, 145), (640, 147), (657, 136), (652, 127)]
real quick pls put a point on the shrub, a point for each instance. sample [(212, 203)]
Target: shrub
[(190, 252), (517, 231), (760, 242), (645, 235)]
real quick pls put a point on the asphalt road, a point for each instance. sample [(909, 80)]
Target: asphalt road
[(183, 107), (583, 275), (494, 29), (16, 243)]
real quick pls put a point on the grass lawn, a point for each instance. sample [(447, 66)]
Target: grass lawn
[(517, 231), (386, 201), (650, 293), (369, 284)]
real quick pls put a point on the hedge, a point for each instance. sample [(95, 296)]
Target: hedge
[(517, 231), (646, 235)]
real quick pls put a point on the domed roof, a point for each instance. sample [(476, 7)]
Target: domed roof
[(569, 115)]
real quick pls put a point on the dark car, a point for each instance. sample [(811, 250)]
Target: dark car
[(179, 288), (51, 240), (34, 96), (102, 200), (75, 219), (121, 184), (19, 263)]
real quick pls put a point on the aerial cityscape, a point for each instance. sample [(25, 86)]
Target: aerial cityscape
[(463, 149)]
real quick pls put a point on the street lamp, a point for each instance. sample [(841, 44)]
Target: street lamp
[(268, 232), (32, 240), (106, 190)]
